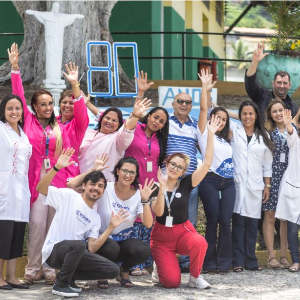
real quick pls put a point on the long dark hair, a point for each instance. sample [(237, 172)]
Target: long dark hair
[(3, 106), (259, 128), (117, 111), (225, 132), (162, 135), (130, 160)]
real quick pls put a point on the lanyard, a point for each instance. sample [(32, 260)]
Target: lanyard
[(169, 202), (149, 144), (283, 137), (47, 142)]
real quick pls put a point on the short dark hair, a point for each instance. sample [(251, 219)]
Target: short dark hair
[(130, 160), (282, 74), (117, 111), (3, 106), (95, 176)]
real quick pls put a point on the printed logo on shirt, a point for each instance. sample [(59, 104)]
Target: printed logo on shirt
[(82, 218), (118, 206)]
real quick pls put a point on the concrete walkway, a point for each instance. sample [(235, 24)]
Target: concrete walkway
[(267, 284)]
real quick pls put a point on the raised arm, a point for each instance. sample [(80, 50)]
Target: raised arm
[(200, 173), (62, 162), (140, 107), (143, 85), (91, 107), (258, 55), (207, 85), (158, 205), (16, 81), (72, 76)]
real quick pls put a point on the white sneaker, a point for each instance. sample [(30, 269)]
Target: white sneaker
[(155, 278), (198, 283)]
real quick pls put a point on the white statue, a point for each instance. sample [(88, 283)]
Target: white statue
[(54, 23)]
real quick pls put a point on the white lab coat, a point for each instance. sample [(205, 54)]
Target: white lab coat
[(288, 206), (251, 162), (15, 152)]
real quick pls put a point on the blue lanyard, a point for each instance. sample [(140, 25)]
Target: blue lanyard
[(149, 144), (169, 202), (47, 142)]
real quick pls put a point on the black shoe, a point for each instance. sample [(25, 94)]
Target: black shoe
[(64, 291), (6, 287), (23, 286), (75, 287)]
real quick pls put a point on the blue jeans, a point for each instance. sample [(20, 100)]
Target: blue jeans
[(293, 241), (244, 235), (193, 212), (218, 196)]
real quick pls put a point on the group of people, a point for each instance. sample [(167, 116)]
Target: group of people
[(113, 201)]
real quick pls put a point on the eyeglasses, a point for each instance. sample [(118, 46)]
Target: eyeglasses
[(175, 166), (125, 172), (186, 102)]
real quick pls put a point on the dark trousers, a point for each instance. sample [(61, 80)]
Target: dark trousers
[(76, 263), (244, 235), (218, 195), (292, 233), (130, 252)]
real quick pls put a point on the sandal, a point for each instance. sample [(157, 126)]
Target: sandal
[(144, 272), (294, 268), (29, 279), (102, 284), (136, 272), (276, 266), (238, 269), (255, 269), (126, 283), (285, 264)]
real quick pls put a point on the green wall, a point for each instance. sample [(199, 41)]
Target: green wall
[(11, 22)]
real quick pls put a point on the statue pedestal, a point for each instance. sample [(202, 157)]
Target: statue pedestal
[(54, 88)]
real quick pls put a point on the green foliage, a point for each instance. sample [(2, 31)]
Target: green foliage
[(286, 16), (257, 17), (241, 52)]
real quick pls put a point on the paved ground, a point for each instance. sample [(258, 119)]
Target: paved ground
[(265, 285)]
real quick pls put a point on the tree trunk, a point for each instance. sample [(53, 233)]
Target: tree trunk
[(94, 26)]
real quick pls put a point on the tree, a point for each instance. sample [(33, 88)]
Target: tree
[(95, 26), (240, 51)]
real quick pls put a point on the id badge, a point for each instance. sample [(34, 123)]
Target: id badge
[(149, 166), (47, 163), (282, 157), (169, 221)]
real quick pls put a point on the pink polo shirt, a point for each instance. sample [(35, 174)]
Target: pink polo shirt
[(37, 139)]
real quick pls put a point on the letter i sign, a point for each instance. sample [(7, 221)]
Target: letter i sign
[(113, 77)]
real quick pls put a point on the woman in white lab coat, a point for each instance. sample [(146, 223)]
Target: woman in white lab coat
[(252, 163), (288, 206)]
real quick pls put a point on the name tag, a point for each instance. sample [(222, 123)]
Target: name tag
[(282, 157), (149, 166), (47, 163), (169, 221)]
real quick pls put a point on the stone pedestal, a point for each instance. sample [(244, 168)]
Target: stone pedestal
[(55, 88)]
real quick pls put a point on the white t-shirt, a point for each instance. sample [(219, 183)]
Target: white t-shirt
[(73, 220), (222, 160), (110, 202)]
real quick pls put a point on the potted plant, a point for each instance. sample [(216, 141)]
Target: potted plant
[(284, 47)]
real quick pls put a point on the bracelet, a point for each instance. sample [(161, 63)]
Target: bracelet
[(55, 169), (268, 185), (135, 116), (144, 201), (139, 97), (76, 84), (15, 68)]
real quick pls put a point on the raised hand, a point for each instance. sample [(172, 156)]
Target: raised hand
[(143, 86), (206, 79), (162, 178), (86, 98), (148, 189), (99, 164), (287, 117), (119, 218), (13, 55), (214, 124), (72, 73), (258, 54), (141, 106), (64, 159)]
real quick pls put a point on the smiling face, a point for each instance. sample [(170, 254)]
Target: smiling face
[(13, 112), (109, 123), (182, 108), (277, 113), (67, 108), (126, 174), (281, 86), (43, 106), (248, 117), (222, 116), (176, 167), (93, 191), (156, 120)]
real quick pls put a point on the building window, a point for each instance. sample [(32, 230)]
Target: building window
[(219, 9), (206, 3)]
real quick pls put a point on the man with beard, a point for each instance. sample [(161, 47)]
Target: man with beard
[(75, 222), (281, 85)]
